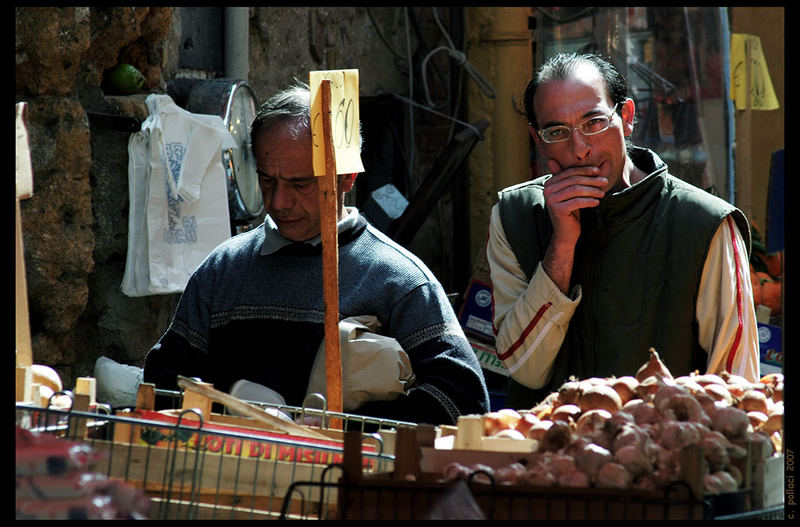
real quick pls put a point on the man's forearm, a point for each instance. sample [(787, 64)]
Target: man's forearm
[(557, 263)]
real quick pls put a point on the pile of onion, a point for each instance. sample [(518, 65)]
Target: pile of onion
[(630, 429)]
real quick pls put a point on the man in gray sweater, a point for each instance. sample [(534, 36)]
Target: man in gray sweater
[(254, 309)]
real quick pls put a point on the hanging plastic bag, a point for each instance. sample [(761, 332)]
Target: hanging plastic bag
[(178, 196)]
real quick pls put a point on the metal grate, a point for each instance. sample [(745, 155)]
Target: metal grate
[(193, 470)]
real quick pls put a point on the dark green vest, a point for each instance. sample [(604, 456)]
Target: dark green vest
[(639, 261)]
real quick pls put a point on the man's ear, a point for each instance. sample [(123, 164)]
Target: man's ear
[(627, 114), (536, 138), (346, 182)]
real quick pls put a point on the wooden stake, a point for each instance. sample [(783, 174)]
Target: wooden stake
[(329, 212), (207, 391)]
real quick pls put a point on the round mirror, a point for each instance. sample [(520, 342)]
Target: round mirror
[(246, 199), (236, 103)]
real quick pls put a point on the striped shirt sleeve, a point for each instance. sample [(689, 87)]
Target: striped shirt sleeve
[(530, 318), (726, 316)]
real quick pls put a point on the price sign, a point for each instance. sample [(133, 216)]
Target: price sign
[(344, 120), (746, 52)]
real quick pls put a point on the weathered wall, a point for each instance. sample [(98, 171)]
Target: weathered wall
[(75, 225), (61, 54), (760, 132), (500, 46)]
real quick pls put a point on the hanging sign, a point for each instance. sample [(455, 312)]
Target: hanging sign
[(760, 91), (344, 119)]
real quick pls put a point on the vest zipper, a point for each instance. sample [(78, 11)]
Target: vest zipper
[(599, 216)]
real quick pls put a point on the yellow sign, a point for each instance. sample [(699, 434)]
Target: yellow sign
[(344, 120), (761, 93)]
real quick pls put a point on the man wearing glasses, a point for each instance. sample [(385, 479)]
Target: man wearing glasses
[(609, 254), (254, 310)]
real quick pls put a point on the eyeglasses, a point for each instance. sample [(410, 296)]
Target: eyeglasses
[(591, 126)]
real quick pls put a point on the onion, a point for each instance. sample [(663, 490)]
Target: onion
[(594, 425), (772, 378), (493, 422), (689, 384), (709, 378), (712, 484), (555, 438), (527, 422), (653, 367), (573, 479), (567, 413), (643, 413), (590, 458), (634, 458), (757, 419), (509, 433), (715, 450), (647, 388), (455, 471), (777, 392), (719, 393), (731, 421), (510, 475), (754, 401), (569, 392), (737, 390), (728, 482), (593, 419), (594, 381), (602, 397), (730, 378), (538, 430), (558, 464), (625, 387), (538, 476), (614, 475), (774, 421), (736, 474)]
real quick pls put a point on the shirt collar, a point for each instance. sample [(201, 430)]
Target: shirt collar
[(274, 241)]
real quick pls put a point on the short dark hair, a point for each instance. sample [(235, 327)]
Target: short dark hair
[(292, 105), (561, 66)]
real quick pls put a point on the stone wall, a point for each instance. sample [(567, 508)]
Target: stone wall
[(75, 224)]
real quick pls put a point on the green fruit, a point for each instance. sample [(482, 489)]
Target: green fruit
[(123, 79)]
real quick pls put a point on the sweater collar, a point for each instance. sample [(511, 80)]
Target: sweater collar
[(348, 228)]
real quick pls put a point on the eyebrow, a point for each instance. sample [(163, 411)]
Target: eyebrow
[(586, 115), (300, 178)]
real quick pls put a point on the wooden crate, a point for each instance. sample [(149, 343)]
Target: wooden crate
[(411, 492), (421, 464)]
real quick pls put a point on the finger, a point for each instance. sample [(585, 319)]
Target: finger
[(575, 186), (567, 207), (553, 166)]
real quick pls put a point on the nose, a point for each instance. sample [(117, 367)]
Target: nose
[(580, 145), (282, 196)]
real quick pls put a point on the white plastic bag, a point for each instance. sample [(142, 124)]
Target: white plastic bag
[(178, 196)]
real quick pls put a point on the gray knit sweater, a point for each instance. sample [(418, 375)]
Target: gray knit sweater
[(254, 309)]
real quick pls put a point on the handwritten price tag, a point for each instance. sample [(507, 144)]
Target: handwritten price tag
[(344, 120), (760, 91)]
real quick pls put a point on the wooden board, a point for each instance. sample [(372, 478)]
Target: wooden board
[(329, 214)]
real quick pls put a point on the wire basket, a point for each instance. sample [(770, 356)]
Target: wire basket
[(191, 469)]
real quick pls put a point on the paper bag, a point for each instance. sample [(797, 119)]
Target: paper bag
[(374, 367), (178, 197)]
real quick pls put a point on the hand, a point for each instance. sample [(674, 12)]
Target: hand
[(565, 193)]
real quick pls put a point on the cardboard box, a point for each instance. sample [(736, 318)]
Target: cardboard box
[(770, 343), (476, 313)]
